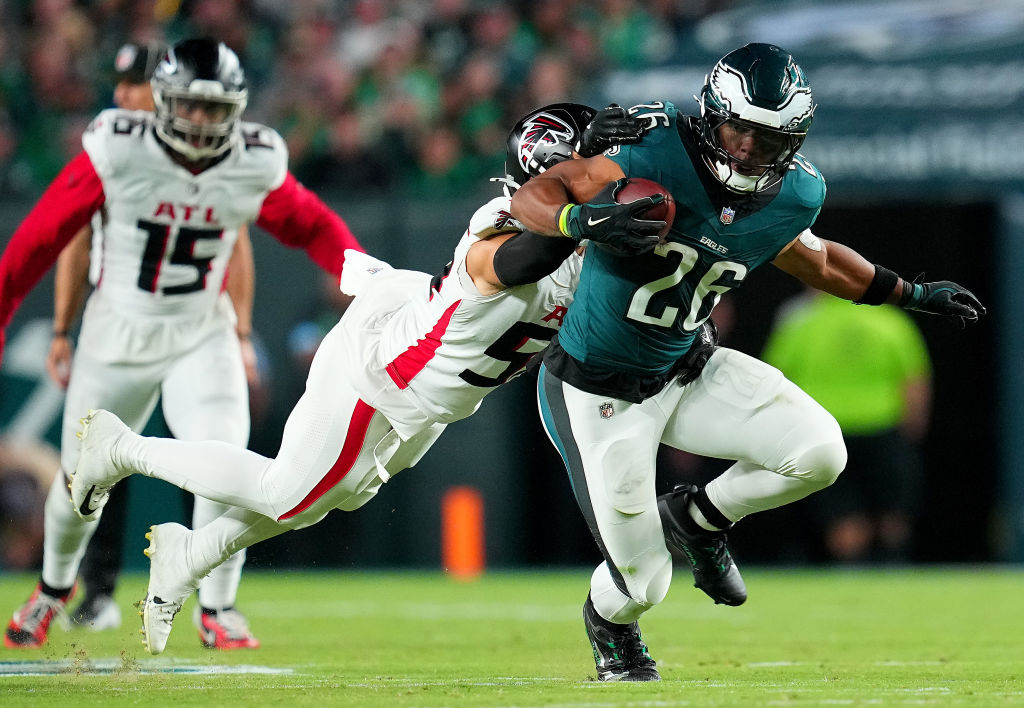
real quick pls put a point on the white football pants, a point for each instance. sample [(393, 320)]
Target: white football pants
[(125, 367), (786, 446), (336, 452)]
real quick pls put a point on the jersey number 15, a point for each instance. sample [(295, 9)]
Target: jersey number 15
[(158, 236)]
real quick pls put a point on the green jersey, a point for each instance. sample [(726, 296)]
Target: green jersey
[(637, 316)]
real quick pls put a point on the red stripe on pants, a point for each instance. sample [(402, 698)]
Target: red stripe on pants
[(357, 427)]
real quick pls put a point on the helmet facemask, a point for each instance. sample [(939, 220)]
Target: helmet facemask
[(200, 92), (758, 91), (198, 140)]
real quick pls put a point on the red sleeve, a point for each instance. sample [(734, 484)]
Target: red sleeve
[(65, 207), (297, 218)]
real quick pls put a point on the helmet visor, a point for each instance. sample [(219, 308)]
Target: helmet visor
[(755, 148)]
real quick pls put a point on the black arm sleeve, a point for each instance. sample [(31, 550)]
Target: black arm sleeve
[(527, 257)]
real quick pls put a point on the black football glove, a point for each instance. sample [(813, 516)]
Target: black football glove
[(941, 297), (688, 368), (616, 226), (611, 126)]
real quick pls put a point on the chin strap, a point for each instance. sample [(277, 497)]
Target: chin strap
[(509, 185)]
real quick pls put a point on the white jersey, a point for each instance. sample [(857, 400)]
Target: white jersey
[(167, 234), (440, 346)]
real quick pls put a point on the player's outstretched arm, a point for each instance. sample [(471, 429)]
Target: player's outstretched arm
[(611, 126), (841, 271), (511, 259), (298, 218)]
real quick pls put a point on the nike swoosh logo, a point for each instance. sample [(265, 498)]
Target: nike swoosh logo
[(594, 222), (88, 506)]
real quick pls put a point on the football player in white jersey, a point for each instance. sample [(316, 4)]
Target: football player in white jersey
[(133, 66), (174, 188), (410, 355)]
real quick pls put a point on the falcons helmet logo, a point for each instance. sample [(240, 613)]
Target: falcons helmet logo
[(542, 129)]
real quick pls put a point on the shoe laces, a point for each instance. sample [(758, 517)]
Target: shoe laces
[(715, 550), (632, 649), (233, 623), (39, 611), (629, 650)]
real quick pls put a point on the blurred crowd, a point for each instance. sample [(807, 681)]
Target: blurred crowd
[(370, 94)]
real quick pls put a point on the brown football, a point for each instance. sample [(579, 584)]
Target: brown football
[(638, 188)]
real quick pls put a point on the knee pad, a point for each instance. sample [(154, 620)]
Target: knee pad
[(648, 584), (645, 591), (822, 463)]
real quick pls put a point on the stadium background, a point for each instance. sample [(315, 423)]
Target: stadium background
[(396, 112)]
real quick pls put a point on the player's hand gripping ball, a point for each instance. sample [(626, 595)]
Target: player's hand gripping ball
[(638, 188)]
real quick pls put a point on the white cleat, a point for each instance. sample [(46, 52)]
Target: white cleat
[(170, 583), (95, 474)]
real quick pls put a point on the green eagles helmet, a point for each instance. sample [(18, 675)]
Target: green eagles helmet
[(759, 89)]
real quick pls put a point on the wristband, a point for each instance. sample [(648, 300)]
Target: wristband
[(880, 288), (60, 333), (563, 220), (911, 293)]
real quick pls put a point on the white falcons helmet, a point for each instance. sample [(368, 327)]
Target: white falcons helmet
[(198, 73), (760, 89)]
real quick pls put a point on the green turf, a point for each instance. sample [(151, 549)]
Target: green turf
[(906, 637)]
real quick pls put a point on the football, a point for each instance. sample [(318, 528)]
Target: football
[(638, 188)]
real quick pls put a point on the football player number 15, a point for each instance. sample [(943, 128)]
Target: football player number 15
[(721, 277), (158, 236)]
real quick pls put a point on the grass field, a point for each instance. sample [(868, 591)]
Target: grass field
[(905, 637)]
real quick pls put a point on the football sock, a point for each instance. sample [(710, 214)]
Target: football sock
[(208, 611), (693, 514), (220, 587), (703, 513), (65, 537), (59, 593)]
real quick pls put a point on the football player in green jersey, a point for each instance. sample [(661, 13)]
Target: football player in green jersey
[(621, 376)]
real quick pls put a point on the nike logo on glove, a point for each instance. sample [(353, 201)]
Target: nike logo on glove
[(594, 222)]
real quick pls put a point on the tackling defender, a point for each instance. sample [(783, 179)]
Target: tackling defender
[(174, 188), (411, 354), (744, 197)]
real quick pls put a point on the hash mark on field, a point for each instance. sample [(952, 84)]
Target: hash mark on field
[(445, 611), (141, 666)]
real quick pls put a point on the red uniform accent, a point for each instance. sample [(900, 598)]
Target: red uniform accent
[(557, 314), (411, 362), (66, 206), (357, 427), (297, 218)]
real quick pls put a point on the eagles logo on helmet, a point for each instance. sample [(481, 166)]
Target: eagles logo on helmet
[(760, 89)]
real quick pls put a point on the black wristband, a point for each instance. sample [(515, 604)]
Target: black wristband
[(60, 333), (881, 287)]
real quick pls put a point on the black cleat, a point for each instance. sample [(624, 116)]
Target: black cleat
[(619, 652), (714, 571)]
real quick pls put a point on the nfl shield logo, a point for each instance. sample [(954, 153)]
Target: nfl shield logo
[(727, 215), (606, 410)]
